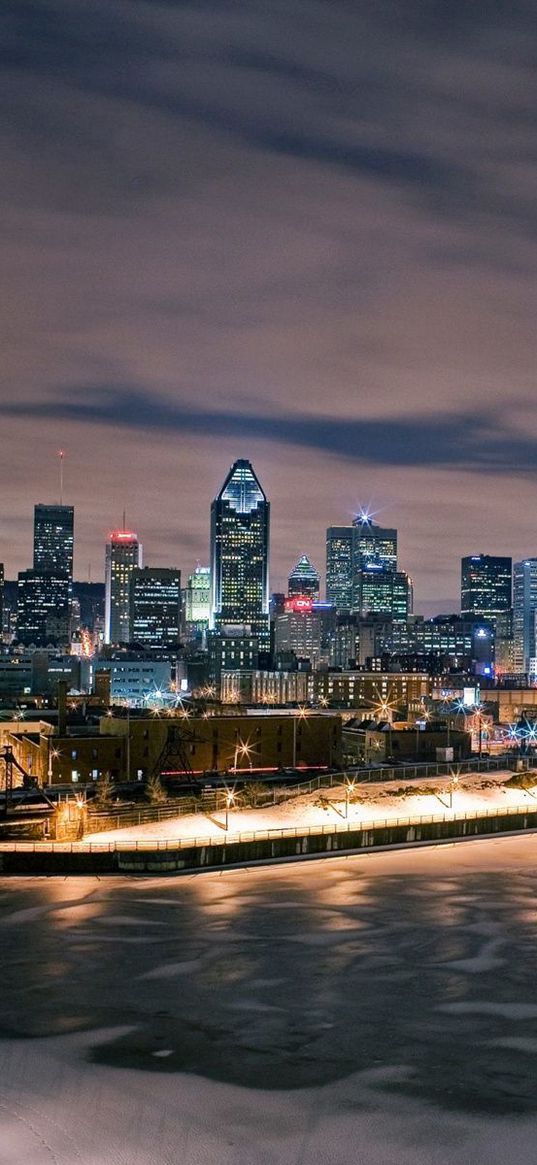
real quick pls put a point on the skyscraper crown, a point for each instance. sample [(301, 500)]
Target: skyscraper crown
[(241, 488)]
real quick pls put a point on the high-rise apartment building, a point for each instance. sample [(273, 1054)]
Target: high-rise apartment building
[(123, 555), (240, 518), (525, 616), (304, 579), (155, 596), (54, 539), (486, 585)]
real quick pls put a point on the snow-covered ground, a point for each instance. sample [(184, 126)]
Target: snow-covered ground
[(474, 792)]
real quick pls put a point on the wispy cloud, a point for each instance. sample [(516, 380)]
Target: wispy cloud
[(464, 439)]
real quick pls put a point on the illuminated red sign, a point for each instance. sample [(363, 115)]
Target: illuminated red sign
[(123, 536), (300, 603)]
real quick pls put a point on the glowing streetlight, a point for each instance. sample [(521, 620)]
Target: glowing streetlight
[(300, 714), (230, 800), (242, 749), (349, 788), (452, 787)]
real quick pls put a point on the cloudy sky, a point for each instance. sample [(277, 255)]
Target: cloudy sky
[(299, 231)]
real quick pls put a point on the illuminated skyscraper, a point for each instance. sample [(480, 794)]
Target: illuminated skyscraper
[(485, 585), (53, 539), (240, 518), (351, 550), (198, 600), (43, 608), (123, 555), (304, 579), (339, 567), (155, 606), (525, 616), (373, 544)]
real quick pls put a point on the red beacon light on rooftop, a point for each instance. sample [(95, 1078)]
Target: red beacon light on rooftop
[(123, 536)]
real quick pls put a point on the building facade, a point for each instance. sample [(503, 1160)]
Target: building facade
[(486, 586), (155, 606), (304, 580), (240, 520), (54, 539), (123, 556), (43, 608), (525, 616), (197, 598)]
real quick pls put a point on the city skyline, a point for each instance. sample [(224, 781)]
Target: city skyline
[(245, 235), (169, 556)]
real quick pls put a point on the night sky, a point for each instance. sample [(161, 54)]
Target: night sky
[(299, 232)]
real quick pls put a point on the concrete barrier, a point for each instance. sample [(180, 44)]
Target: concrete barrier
[(217, 855)]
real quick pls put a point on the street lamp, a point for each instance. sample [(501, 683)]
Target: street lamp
[(349, 788), (453, 786), (230, 799), (53, 754), (242, 749), (299, 714)]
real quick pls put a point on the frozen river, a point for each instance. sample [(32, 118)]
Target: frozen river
[(373, 1010)]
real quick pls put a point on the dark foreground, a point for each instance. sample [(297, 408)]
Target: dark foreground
[(376, 1009)]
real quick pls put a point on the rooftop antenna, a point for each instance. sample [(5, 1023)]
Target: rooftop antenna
[(124, 519), (60, 458)]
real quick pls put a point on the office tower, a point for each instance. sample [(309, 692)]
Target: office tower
[(43, 608), (485, 585), (525, 616), (379, 590), (352, 549), (44, 593), (1, 601), (123, 555), (304, 579), (53, 539), (198, 600), (155, 606), (240, 517), (299, 630), (340, 567), (373, 544), (503, 644)]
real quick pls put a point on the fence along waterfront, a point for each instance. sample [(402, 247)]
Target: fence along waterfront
[(229, 838)]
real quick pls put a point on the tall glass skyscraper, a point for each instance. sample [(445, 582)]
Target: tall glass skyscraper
[(240, 519), (350, 552), (155, 595), (486, 585), (123, 555), (525, 616), (54, 539), (373, 544), (45, 593), (339, 567)]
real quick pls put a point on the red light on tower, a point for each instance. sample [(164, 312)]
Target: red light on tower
[(123, 536)]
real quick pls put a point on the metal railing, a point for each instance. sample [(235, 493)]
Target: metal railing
[(276, 794), (149, 845)]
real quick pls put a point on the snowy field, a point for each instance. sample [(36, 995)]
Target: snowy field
[(375, 1010), (368, 802)]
